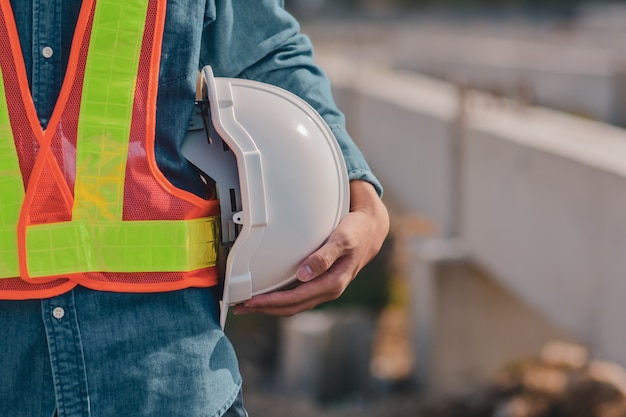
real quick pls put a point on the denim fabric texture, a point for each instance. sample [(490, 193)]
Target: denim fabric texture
[(88, 353)]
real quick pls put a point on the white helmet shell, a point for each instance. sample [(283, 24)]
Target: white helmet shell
[(290, 176)]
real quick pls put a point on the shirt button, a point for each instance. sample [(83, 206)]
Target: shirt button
[(58, 313), (47, 52)]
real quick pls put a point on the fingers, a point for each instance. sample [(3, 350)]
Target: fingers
[(326, 287)]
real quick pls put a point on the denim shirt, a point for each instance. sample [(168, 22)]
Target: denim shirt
[(255, 39), (108, 354)]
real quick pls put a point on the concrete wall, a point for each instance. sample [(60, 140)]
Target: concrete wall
[(544, 199), (537, 197)]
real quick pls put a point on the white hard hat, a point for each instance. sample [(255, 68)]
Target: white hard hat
[(281, 179)]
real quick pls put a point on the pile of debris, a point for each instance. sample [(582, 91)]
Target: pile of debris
[(561, 381)]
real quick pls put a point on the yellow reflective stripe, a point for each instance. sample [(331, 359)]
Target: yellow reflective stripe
[(11, 193), (129, 246), (106, 109)]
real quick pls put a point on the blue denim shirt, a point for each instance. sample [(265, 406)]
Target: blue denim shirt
[(109, 354)]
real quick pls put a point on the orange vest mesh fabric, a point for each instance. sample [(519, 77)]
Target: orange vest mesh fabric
[(49, 158)]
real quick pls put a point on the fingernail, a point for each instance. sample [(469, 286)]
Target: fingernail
[(304, 273)]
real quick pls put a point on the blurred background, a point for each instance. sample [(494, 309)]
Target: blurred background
[(497, 129)]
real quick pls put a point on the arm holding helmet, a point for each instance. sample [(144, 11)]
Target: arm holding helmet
[(277, 53)]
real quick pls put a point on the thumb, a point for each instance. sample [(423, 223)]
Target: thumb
[(322, 259), (305, 272)]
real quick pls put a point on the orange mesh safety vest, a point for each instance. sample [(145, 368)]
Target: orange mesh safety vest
[(83, 202)]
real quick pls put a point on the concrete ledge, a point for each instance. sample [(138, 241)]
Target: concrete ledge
[(588, 142)]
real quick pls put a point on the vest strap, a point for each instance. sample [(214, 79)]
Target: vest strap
[(106, 109), (12, 193), (128, 246)]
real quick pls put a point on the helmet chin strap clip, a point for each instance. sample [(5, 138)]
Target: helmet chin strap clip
[(206, 150)]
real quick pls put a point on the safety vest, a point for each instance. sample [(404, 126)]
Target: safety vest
[(83, 202)]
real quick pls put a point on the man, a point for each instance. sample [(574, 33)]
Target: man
[(97, 316)]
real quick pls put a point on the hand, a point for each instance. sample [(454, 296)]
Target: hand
[(326, 273)]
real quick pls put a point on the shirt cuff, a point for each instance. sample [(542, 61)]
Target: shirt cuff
[(358, 168)]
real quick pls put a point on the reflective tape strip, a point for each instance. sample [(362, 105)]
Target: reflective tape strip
[(141, 246), (11, 193), (9, 266), (106, 109)]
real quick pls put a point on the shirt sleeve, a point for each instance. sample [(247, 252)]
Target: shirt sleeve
[(259, 40)]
